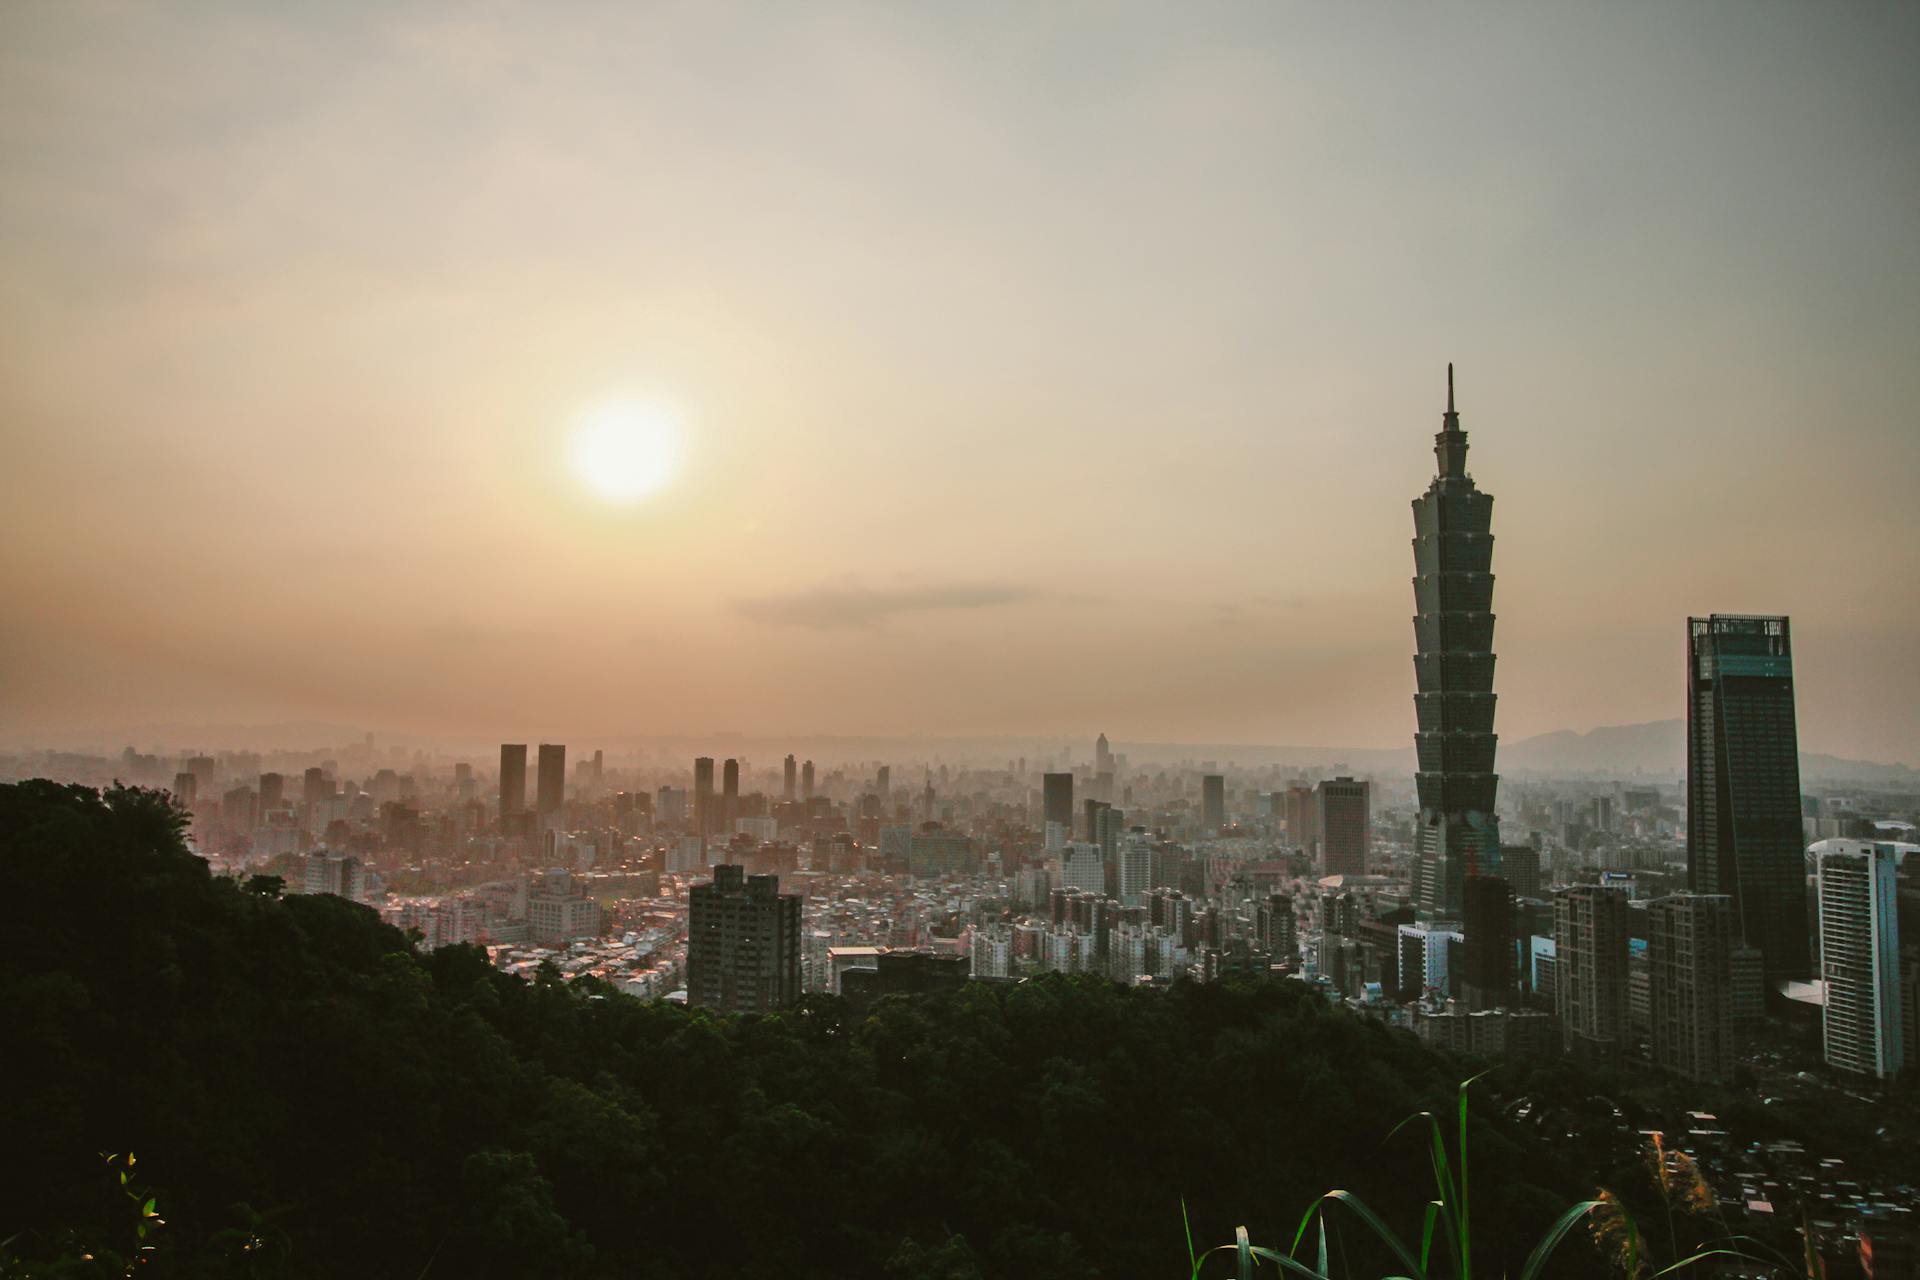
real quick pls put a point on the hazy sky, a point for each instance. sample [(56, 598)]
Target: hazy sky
[(1045, 367)]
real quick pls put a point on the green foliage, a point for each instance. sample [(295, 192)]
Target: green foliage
[(1673, 1176), (407, 1113), (265, 886), (507, 1211)]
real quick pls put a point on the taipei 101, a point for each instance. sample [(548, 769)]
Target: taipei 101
[(872, 641)]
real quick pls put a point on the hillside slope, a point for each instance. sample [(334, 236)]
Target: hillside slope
[(386, 1111)]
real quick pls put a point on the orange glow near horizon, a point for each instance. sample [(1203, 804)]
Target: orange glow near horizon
[(998, 369)]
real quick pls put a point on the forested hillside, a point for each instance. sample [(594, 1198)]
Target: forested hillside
[(288, 1072)]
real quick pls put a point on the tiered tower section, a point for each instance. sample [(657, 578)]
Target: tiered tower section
[(1453, 662)]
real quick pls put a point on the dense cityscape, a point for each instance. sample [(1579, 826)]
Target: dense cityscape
[(1736, 927)]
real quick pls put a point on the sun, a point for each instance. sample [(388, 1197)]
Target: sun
[(626, 450)]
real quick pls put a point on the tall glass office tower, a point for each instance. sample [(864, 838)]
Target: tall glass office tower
[(1743, 783), (1453, 662)]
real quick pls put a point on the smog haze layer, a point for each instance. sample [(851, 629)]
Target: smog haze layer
[(997, 369)]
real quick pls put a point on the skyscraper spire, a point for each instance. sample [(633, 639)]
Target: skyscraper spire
[(1458, 833), (1450, 445)]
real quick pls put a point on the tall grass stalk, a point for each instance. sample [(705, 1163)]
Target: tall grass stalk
[(1446, 1227)]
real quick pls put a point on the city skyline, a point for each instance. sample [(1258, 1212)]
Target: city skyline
[(308, 496), (701, 638)]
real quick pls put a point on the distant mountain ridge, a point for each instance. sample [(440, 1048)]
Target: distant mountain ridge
[(1660, 748), (1656, 747)]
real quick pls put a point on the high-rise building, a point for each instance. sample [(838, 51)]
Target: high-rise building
[(513, 779), (1345, 813), (338, 874), (1458, 833), (1303, 819), (1102, 755), (1134, 867), (1090, 827), (743, 943), (1277, 929), (1083, 869), (729, 794), (1213, 802), (273, 791), (1743, 783), (1860, 957), (1910, 1005), (883, 781), (992, 951), (240, 809), (706, 817), (1690, 942), (1639, 993), (559, 909), (1747, 988), (1056, 791), (186, 788), (314, 786), (550, 788), (1590, 932), (1341, 914), (1488, 961), (1425, 958), (1539, 972), (788, 781), (1170, 909), (1520, 867), (1106, 825)]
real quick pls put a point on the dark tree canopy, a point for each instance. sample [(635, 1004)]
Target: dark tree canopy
[(290, 1062)]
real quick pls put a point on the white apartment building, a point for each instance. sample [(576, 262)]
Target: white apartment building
[(1859, 956)]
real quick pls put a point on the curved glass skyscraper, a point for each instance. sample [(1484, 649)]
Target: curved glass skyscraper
[(1453, 661)]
